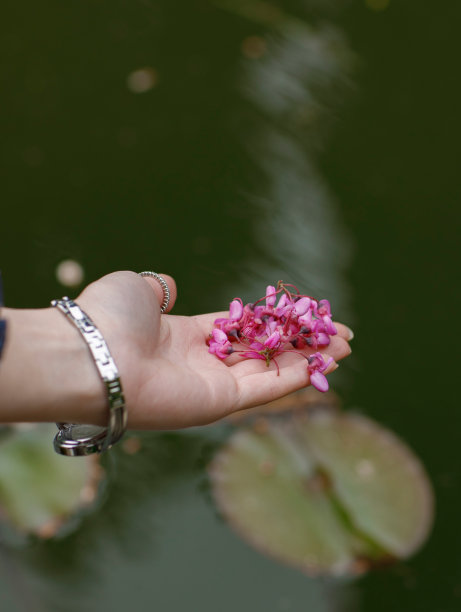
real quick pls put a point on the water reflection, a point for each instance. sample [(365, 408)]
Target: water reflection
[(70, 273), (292, 81), (142, 80)]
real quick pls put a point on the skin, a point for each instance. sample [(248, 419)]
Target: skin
[(169, 379)]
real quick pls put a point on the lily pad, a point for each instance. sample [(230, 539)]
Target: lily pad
[(327, 492), (40, 490)]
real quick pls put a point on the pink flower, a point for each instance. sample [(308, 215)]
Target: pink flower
[(270, 296), (305, 321), (324, 312), (273, 341), (263, 330), (227, 326), (323, 308), (302, 306), (316, 367), (236, 310), (320, 332), (282, 305), (219, 344), (323, 339), (271, 326), (270, 343), (235, 314)]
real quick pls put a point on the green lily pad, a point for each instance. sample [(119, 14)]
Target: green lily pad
[(327, 492), (40, 490), (379, 480)]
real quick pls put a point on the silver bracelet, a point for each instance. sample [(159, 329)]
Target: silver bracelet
[(74, 439)]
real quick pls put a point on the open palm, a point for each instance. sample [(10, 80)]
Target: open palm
[(169, 377)]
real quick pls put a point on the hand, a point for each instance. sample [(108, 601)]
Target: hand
[(169, 378)]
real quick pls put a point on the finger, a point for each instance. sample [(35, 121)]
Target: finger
[(158, 289), (267, 385), (338, 348), (344, 331)]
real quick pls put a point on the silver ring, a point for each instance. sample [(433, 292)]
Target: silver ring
[(166, 289)]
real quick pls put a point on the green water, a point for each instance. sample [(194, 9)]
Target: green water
[(330, 160)]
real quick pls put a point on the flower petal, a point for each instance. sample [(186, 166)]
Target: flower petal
[(319, 381), (329, 326), (302, 306), (324, 308), (219, 336), (273, 340), (236, 310), (270, 295), (282, 301)]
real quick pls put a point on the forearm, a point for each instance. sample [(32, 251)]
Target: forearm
[(47, 372)]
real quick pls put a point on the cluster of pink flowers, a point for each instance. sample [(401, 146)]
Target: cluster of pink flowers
[(267, 328)]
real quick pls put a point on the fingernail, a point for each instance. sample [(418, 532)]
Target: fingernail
[(332, 367), (350, 333)]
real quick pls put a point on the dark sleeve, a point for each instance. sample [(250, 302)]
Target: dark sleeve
[(2, 321)]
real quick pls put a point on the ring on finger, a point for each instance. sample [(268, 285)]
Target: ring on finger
[(164, 286)]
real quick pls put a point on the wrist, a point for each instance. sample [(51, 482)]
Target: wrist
[(47, 372)]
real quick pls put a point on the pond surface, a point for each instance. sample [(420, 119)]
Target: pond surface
[(231, 144)]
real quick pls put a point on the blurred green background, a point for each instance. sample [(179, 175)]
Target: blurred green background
[(232, 143)]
